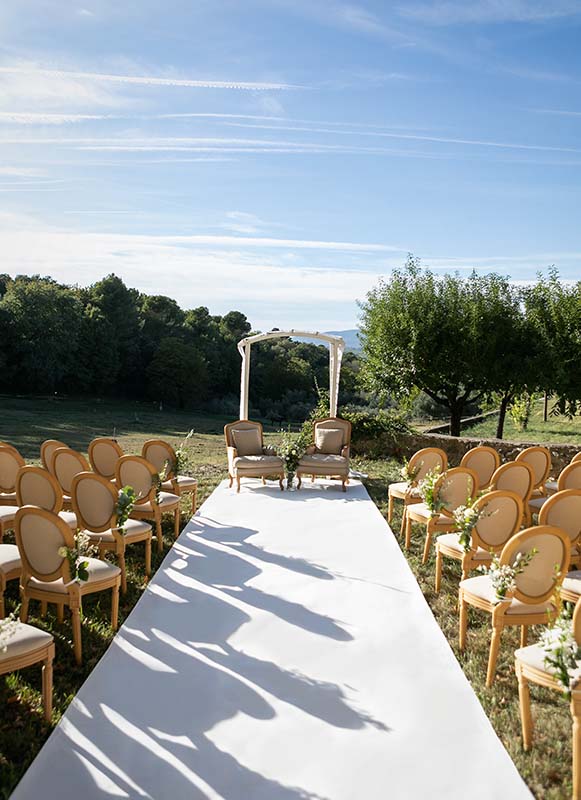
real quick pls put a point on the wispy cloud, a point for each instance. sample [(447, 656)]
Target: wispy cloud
[(488, 11), (560, 112), (148, 80), (22, 172), (42, 118)]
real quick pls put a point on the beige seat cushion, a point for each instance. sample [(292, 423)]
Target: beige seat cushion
[(572, 582), (26, 639), (8, 498), (551, 487), (328, 440), (98, 571), (184, 483), (533, 656), (401, 489), (422, 510), (245, 463), (482, 587), (248, 442), (323, 464), (537, 502), (9, 558), (451, 540), (69, 518), (166, 500), (133, 529), (7, 514)]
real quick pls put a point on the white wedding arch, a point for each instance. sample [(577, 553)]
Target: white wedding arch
[(336, 348)]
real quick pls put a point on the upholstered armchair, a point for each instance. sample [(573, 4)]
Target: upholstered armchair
[(328, 455), (247, 455)]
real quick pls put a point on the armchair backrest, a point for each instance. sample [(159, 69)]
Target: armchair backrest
[(539, 459), (35, 486), (454, 488), (426, 460), (501, 516), (515, 476), (47, 449), (160, 453), (546, 570), (563, 510), (135, 471), (570, 477), (10, 462), (241, 425), (94, 502), (484, 461), (104, 453), (334, 423), (66, 463), (39, 534)]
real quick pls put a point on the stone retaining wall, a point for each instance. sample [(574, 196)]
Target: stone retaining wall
[(406, 444)]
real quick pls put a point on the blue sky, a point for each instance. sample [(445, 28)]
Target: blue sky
[(279, 156)]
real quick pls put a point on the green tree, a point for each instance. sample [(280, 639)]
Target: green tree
[(177, 373)]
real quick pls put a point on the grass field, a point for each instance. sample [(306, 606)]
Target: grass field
[(554, 430), (26, 423)]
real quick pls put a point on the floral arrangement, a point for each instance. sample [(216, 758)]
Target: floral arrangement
[(503, 576), (291, 450), (77, 556), (8, 628), (562, 651), (426, 490), (409, 474), (183, 454), (466, 518), (125, 502)]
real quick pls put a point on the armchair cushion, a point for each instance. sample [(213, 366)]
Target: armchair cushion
[(260, 463), (323, 464), (248, 442), (328, 440)]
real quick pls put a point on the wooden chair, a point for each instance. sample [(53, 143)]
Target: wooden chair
[(27, 646), (517, 477), (95, 503), (535, 595), (484, 461), (424, 461), (160, 454), (10, 568), (552, 486), (138, 473), (47, 449), (104, 454), (328, 456), (501, 515), (66, 463), (46, 575), (36, 486), (539, 458), (10, 463), (530, 667), (247, 455), (569, 478), (563, 510), (452, 489)]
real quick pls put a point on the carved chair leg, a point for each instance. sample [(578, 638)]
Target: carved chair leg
[(47, 688), (463, 620), (77, 640), (121, 562), (438, 578), (115, 606), (60, 612), (24, 606), (148, 556), (576, 714), (493, 655), (231, 481), (524, 635), (280, 482), (389, 508), (300, 483), (237, 484), (263, 480), (427, 544), (524, 697)]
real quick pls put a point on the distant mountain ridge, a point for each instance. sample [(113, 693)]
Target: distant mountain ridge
[(351, 339)]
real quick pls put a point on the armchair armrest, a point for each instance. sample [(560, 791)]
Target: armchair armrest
[(311, 450), (232, 454), (268, 450), (345, 451)]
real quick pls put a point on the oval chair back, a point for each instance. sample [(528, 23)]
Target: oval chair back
[(162, 455), (47, 450), (7, 444), (501, 515), (426, 460), (39, 534), (517, 477), (10, 462), (454, 488), (563, 510), (37, 487), (576, 457), (104, 454), (484, 461), (539, 458), (577, 622), (545, 572), (94, 502), (570, 477), (135, 471), (66, 463)]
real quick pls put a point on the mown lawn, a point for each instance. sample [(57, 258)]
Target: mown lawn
[(26, 423), (555, 429)]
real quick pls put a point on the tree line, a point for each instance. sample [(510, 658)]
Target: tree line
[(465, 340), (112, 340)]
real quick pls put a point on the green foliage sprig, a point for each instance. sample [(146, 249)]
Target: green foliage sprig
[(77, 556), (426, 490), (291, 449), (126, 498), (409, 474), (561, 651), (503, 576), (466, 518)]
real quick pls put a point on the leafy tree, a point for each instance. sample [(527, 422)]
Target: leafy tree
[(177, 373)]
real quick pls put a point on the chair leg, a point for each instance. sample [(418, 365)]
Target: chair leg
[(177, 519), (47, 688), (43, 608), (427, 544), (389, 508), (312, 478), (463, 620), (24, 606), (343, 484), (231, 481), (121, 562), (158, 531), (2, 590), (576, 714), (280, 483), (524, 697), (148, 556), (60, 612), (438, 578), (403, 518), (299, 482), (524, 635), (263, 480), (77, 641), (237, 484), (115, 606), (408, 531), (493, 655)]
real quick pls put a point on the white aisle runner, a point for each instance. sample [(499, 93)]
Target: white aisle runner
[(283, 651)]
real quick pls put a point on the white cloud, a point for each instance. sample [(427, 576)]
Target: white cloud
[(42, 118), (22, 172), (488, 11)]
